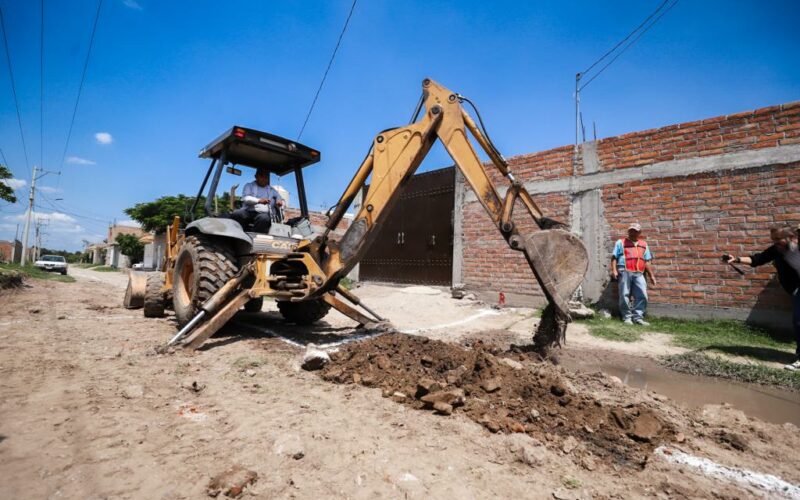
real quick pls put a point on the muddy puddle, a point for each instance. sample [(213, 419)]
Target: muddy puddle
[(766, 403)]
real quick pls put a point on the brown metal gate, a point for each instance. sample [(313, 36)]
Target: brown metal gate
[(416, 243)]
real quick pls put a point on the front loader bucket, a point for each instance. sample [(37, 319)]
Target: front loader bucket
[(559, 260), (134, 293)]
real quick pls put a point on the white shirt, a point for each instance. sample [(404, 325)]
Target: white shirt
[(252, 192)]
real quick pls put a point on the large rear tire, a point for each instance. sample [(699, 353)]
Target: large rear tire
[(304, 313), (203, 265), (154, 301)]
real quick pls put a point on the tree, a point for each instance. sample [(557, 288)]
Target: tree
[(131, 246), (157, 215), (6, 193)]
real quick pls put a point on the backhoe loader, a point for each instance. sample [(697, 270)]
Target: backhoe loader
[(215, 267)]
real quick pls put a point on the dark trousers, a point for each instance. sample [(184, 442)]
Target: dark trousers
[(796, 319), (261, 220)]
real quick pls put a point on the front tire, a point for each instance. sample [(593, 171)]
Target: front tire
[(304, 313), (203, 265)]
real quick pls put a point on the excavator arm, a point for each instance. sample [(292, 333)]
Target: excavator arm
[(557, 258)]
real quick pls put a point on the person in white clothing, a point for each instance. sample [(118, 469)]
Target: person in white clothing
[(260, 203)]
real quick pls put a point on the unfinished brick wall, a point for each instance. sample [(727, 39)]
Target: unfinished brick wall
[(689, 220)]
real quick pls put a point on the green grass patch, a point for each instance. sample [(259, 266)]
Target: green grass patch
[(612, 329), (696, 363), (86, 265), (35, 273), (105, 269), (695, 334), (734, 338)]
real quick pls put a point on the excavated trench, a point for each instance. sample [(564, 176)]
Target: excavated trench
[(505, 392)]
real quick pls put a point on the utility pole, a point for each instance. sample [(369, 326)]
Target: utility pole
[(39, 234), (28, 220), (14, 247), (577, 105), (31, 197)]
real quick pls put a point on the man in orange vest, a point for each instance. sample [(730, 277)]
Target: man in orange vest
[(630, 263)]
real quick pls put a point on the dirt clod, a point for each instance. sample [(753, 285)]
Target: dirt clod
[(442, 408), (646, 427), (232, 482), (492, 384), (731, 439)]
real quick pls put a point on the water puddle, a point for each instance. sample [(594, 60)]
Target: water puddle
[(769, 404)]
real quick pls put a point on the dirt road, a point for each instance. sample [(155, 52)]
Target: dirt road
[(89, 410)]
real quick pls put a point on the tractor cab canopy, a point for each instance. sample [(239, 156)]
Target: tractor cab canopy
[(252, 148)]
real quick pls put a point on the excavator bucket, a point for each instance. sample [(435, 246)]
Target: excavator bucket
[(559, 260)]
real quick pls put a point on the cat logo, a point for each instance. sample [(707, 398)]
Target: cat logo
[(282, 245)]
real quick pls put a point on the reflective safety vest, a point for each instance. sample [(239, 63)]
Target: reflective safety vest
[(634, 255)]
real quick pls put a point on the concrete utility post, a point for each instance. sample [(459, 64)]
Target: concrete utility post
[(28, 216), (31, 197)]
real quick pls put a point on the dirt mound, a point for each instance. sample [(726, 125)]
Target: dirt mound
[(11, 279), (503, 394)]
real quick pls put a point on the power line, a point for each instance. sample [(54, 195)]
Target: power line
[(14, 88), (83, 78), (624, 39), (330, 63), (629, 45), (41, 89), (70, 211)]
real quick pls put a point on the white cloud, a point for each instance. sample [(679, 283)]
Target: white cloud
[(49, 189), (103, 138), (132, 4), (14, 183), (76, 160)]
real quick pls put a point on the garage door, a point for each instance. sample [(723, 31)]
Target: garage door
[(416, 243)]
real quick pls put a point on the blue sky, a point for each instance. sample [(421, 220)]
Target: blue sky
[(165, 78)]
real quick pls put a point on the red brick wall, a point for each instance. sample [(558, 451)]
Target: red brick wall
[(762, 128), (689, 220), (489, 263)]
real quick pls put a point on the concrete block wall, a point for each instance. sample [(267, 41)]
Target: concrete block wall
[(699, 189)]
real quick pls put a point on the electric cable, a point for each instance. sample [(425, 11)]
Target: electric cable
[(325, 75), (41, 89), (632, 42), (83, 78), (14, 89), (624, 39), (68, 211)]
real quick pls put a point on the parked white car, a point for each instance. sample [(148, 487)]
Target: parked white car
[(55, 263)]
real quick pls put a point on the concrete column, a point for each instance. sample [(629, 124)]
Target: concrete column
[(458, 229)]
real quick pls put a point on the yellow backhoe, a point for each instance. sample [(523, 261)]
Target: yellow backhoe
[(215, 266)]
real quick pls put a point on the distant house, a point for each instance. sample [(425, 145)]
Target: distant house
[(108, 252), (10, 251), (154, 250)]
